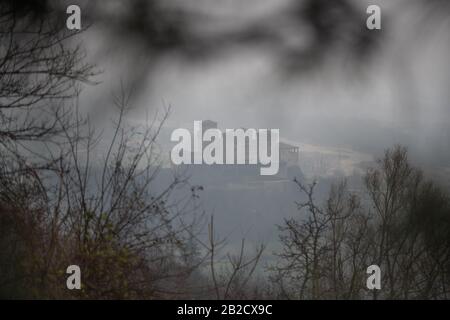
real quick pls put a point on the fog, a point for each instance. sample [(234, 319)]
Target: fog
[(323, 79), (396, 94)]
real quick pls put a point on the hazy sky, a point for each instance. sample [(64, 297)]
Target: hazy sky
[(399, 95)]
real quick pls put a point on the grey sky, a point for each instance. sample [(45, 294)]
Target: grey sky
[(400, 96)]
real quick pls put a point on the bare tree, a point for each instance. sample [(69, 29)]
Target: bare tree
[(107, 216), (230, 274), (327, 250), (39, 67), (398, 192), (316, 251)]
